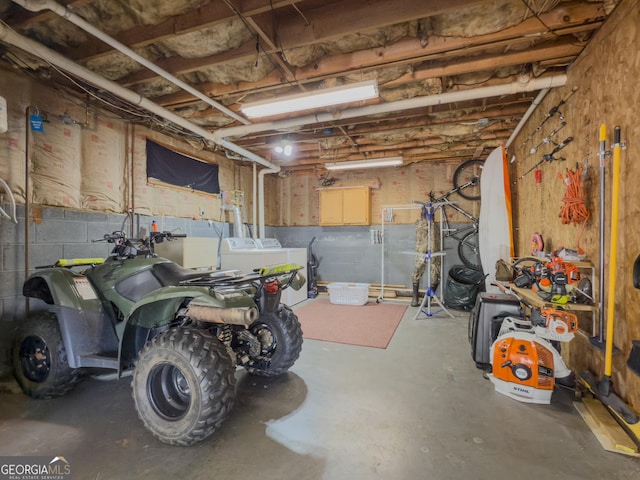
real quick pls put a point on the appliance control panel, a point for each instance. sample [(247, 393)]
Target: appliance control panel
[(232, 244), (268, 243)]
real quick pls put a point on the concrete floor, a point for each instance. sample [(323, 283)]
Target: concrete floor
[(417, 410)]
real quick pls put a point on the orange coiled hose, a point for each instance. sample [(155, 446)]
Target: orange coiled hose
[(573, 208)]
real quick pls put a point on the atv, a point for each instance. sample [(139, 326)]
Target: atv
[(180, 333)]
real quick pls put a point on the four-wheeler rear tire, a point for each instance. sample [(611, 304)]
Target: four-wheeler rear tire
[(281, 337), (183, 385), (39, 358)]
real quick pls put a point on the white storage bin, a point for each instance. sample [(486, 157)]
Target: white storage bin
[(348, 293)]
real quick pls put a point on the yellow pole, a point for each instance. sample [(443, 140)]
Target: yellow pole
[(613, 250), (603, 154)]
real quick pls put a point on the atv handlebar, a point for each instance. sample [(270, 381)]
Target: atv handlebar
[(154, 237), (111, 237), (133, 247)]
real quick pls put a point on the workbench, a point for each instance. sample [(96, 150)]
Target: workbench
[(532, 299)]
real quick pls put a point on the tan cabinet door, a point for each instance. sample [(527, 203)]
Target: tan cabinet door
[(355, 206), (345, 206), (331, 207)]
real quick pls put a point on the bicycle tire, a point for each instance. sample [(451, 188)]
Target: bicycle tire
[(466, 172), (469, 251)]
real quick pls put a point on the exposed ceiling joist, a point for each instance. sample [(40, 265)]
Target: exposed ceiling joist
[(237, 51)]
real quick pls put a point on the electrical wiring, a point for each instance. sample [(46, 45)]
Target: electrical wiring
[(115, 103), (573, 209), (537, 15)]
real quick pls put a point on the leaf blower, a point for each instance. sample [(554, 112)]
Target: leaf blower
[(524, 363)]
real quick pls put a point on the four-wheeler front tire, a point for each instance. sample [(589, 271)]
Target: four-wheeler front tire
[(281, 337), (39, 358), (183, 385)]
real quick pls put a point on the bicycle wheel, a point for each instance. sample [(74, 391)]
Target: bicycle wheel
[(469, 251), (466, 178)]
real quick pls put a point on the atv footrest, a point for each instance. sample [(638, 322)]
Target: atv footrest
[(98, 361)]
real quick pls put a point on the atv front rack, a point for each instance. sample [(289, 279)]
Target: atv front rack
[(74, 262)]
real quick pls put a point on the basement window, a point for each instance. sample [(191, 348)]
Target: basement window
[(181, 171)]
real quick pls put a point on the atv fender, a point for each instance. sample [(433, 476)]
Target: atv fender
[(159, 307), (87, 328), (156, 311), (61, 287)]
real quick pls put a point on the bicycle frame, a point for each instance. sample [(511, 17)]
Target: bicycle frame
[(447, 230), (466, 236)]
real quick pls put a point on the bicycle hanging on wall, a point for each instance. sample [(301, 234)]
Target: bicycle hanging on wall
[(466, 183)]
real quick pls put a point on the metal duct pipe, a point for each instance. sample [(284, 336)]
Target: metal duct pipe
[(238, 231), (400, 105), (261, 175), (254, 179), (9, 36), (38, 5)]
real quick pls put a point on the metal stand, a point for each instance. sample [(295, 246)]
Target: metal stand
[(386, 208), (430, 294)]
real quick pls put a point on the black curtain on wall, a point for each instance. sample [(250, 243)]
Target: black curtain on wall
[(179, 170)]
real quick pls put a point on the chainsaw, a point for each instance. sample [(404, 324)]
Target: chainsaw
[(555, 281)]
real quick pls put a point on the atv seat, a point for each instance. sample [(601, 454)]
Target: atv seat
[(170, 273)]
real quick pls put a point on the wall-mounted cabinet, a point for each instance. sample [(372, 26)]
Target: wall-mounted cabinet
[(345, 206)]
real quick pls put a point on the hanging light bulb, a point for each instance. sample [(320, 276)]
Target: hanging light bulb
[(285, 147)]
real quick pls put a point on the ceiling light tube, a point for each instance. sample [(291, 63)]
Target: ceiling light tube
[(374, 162), (306, 100)]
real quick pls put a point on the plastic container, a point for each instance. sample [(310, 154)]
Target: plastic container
[(348, 293)]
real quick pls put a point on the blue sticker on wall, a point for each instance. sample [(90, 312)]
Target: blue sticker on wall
[(37, 124)]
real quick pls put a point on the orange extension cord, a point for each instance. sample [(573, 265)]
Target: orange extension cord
[(573, 209)]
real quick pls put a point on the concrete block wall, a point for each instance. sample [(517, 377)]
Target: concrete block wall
[(347, 254)]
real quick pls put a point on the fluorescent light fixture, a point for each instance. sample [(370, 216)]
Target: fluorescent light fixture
[(306, 100), (374, 162)]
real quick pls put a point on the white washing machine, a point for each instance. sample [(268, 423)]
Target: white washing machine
[(242, 253), (246, 254)]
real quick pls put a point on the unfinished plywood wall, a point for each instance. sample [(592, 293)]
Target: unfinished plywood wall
[(85, 159), (299, 194), (606, 77)]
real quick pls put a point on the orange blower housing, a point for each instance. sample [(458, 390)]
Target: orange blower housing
[(523, 367)]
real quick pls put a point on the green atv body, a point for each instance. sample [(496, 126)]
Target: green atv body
[(180, 332)]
